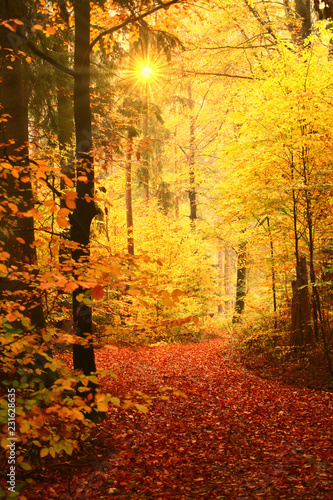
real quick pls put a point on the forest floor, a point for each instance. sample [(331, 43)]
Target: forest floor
[(234, 436)]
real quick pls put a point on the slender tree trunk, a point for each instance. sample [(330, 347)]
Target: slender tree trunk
[(176, 174), (227, 279), (191, 162), (316, 305), (17, 230), (65, 125), (300, 307), (220, 266), (301, 313), (145, 156), (272, 270), (85, 211), (65, 133), (314, 291), (241, 283), (129, 209)]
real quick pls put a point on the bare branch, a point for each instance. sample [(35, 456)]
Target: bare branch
[(228, 75)]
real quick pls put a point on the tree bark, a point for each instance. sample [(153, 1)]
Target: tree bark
[(241, 283), (17, 230), (301, 312), (272, 270), (303, 11), (85, 211)]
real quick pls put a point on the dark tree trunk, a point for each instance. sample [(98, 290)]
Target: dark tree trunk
[(300, 307), (273, 270), (301, 312), (17, 230), (241, 283), (303, 11), (85, 211)]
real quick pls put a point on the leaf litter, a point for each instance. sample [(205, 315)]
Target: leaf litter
[(213, 431)]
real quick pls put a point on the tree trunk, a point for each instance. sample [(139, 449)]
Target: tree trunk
[(65, 132), (191, 162), (85, 211), (17, 231), (303, 11), (145, 155), (301, 312), (129, 208), (220, 263), (176, 175), (272, 270), (227, 280), (241, 283)]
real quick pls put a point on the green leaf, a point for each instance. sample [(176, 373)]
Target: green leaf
[(141, 408), (25, 465)]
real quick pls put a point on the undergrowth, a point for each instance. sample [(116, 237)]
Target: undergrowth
[(268, 352)]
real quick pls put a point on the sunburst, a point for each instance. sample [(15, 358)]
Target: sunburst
[(148, 73)]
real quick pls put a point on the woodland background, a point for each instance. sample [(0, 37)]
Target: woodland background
[(166, 177)]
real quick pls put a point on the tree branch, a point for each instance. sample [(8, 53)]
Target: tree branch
[(261, 21), (219, 74), (131, 20), (44, 56)]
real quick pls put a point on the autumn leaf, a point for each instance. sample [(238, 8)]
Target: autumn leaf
[(70, 286), (62, 222), (98, 292), (133, 292), (63, 212), (44, 452), (50, 30), (13, 207), (68, 181), (70, 196)]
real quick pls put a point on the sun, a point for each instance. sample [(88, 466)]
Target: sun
[(147, 72)]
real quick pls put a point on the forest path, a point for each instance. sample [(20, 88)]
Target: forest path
[(235, 436)]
